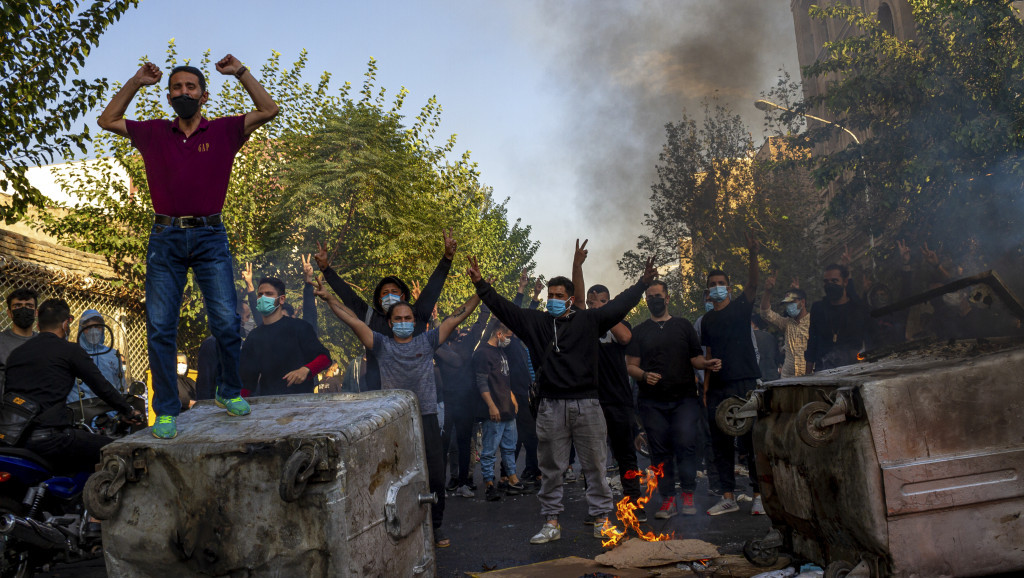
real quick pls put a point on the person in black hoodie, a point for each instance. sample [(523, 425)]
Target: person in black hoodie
[(389, 290), (563, 344), (455, 360)]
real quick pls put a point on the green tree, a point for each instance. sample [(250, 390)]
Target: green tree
[(941, 162), (45, 45), (712, 189)]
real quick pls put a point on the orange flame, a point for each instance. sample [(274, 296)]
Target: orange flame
[(625, 510)]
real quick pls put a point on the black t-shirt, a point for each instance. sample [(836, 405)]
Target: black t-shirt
[(491, 374), (272, 351), (666, 347), (727, 334), (612, 380)]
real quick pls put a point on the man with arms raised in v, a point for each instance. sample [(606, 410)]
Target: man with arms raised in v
[(188, 167)]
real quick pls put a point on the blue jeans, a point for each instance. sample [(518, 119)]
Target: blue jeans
[(498, 434), (672, 428), (171, 252)]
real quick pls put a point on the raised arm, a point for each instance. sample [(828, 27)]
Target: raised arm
[(362, 331), (754, 270), (616, 310), (423, 309), (350, 298), (112, 117), (309, 295), (266, 108), (514, 317), (458, 316), (580, 292)]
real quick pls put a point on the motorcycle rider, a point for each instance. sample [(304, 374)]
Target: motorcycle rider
[(44, 370)]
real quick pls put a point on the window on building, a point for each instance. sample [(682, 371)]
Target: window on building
[(885, 18)]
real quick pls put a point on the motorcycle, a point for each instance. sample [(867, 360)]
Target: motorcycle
[(43, 519)]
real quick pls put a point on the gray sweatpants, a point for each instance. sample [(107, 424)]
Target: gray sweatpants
[(560, 423)]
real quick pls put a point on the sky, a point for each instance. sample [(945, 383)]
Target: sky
[(562, 103)]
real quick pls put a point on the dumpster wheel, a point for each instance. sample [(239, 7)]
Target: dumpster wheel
[(838, 569), (101, 505), (728, 422), (757, 554), (807, 424)]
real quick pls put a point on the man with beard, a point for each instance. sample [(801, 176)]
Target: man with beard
[(188, 168), (21, 308)]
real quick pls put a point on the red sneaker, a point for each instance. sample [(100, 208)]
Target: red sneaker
[(667, 509), (688, 508)]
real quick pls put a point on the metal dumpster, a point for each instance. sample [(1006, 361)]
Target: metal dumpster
[(912, 465), (307, 485)]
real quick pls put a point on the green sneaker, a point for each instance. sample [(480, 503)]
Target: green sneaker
[(166, 427), (236, 406)]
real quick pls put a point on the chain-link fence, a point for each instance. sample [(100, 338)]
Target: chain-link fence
[(124, 315)]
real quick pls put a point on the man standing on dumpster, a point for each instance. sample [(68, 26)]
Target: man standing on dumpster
[(188, 167)]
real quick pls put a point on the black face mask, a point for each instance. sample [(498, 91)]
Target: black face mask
[(834, 292), (656, 305), (185, 106), (23, 317)]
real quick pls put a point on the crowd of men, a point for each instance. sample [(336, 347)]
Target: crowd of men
[(561, 383)]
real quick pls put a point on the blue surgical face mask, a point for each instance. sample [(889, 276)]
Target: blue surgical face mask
[(403, 328), (388, 301), (792, 309), (718, 293), (556, 307), (708, 306), (266, 305)]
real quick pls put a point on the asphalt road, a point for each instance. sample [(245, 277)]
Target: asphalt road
[(490, 535)]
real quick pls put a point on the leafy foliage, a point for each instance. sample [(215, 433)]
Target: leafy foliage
[(333, 167), (945, 125), (45, 44), (713, 188)]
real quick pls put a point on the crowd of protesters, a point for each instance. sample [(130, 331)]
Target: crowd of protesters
[(569, 381)]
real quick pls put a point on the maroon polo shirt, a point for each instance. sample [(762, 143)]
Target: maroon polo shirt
[(188, 177)]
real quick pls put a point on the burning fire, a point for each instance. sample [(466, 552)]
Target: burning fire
[(625, 510)]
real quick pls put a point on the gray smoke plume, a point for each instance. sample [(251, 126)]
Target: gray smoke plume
[(628, 67)]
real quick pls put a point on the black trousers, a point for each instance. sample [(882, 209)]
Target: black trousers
[(71, 450), (725, 444), (620, 420), (435, 465), (526, 428), (463, 420)]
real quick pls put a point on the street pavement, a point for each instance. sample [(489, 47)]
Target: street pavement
[(492, 535)]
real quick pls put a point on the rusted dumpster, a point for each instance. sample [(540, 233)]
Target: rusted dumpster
[(308, 485), (911, 465)]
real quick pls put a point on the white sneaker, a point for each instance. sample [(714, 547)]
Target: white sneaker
[(724, 506), (599, 525), (743, 498), (548, 533), (757, 508), (465, 492)]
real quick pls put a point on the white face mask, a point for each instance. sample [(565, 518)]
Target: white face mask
[(182, 368), (504, 342)]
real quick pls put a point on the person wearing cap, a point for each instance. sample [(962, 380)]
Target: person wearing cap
[(794, 324), (188, 167), (92, 338)]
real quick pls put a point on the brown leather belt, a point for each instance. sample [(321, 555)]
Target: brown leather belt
[(187, 222)]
